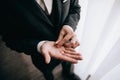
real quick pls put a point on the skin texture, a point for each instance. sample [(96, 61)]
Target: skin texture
[(67, 38), (63, 48), (49, 50)]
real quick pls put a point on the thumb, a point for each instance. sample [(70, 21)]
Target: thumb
[(47, 58), (61, 35)]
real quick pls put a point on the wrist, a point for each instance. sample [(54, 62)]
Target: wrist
[(46, 47), (40, 45)]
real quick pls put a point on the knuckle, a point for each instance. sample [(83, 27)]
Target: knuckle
[(62, 33)]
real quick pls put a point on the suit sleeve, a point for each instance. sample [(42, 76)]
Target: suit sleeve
[(17, 40), (12, 30), (9, 32), (74, 14), (28, 46)]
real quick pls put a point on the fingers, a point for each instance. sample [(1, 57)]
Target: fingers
[(77, 57), (61, 35), (68, 59), (74, 41), (69, 40), (64, 39), (67, 54), (68, 45), (46, 57), (65, 35), (45, 52), (72, 44), (73, 54), (70, 55)]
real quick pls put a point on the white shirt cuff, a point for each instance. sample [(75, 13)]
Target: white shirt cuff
[(39, 46)]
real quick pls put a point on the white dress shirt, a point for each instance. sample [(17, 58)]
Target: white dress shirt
[(48, 4)]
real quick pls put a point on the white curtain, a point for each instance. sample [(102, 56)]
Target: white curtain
[(99, 35)]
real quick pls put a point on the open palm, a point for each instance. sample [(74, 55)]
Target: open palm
[(67, 54)]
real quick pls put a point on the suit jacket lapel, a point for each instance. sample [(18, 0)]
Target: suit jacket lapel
[(44, 17), (59, 3), (41, 13)]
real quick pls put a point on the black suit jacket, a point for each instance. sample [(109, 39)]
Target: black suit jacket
[(27, 24)]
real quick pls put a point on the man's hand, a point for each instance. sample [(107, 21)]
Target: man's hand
[(49, 50), (67, 38)]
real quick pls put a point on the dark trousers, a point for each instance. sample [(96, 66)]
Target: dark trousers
[(47, 69)]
